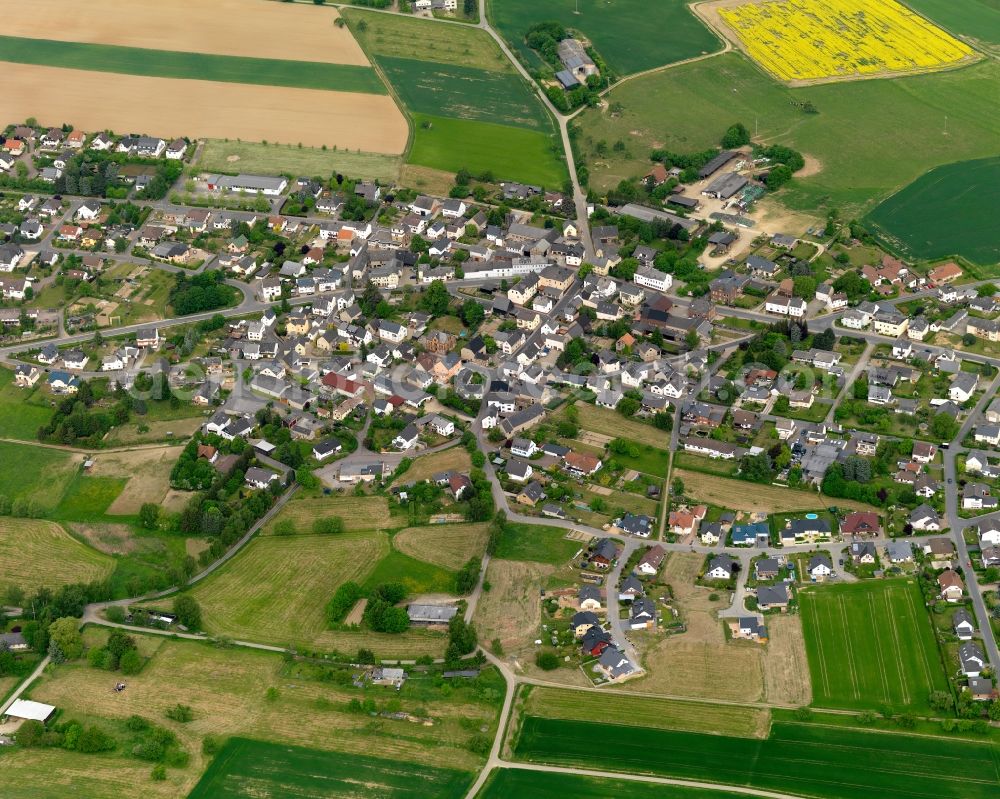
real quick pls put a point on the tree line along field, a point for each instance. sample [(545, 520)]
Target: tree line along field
[(248, 769), (631, 35), (469, 108), (191, 66), (948, 211), (871, 644), (688, 108), (528, 784), (798, 759)]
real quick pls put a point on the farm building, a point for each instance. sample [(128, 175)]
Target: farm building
[(431, 614), (28, 710)]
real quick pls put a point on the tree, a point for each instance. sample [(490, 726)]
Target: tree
[(65, 641), (149, 515), (691, 339), (756, 468), (188, 611), (472, 313), (435, 299), (547, 660), (778, 176), (736, 136), (131, 662), (942, 701), (944, 427)]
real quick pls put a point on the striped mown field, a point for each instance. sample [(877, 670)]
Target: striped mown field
[(870, 644)]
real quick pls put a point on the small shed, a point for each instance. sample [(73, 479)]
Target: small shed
[(28, 710)]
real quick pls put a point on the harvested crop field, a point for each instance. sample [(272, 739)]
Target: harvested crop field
[(613, 424), (276, 589), (644, 711), (226, 27), (449, 546), (274, 159), (786, 667), (40, 554), (147, 472), (57, 773), (512, 609), (699, 662), (358, 513), (746, 496), (453, 459), (212, 109), (177, 429)]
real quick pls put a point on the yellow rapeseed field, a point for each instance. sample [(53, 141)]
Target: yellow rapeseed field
[(798, 40)]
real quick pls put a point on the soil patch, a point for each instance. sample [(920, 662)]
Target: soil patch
[(212, 110), (253, 28)]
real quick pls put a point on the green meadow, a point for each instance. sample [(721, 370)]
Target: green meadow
[(470, 109), (869, 138), (870, 644), (799, 759), (251, 769), (631, 35), (975, 20), (524, 784), (509, 153), (192, 66), (951, 210), (463, 92)]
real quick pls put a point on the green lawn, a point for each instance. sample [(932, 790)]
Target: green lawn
[(950, 210), (870, 644), (22, 411), (509, 153), (631, 35), (463, 92), (248, 768), (275, 159), (649, 461), (799, 759), (976, 20), (897, 127), (536, 542), (191, 66), (514, 782), (418, 577), (88, 498), (36, 473)]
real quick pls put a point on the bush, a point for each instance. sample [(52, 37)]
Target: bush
[(210, 745), (342, 601), (188, 611), (284, 527), (180, 713), (131, 662), (159, 773), (331, 525), (116, 614), (547, 661)]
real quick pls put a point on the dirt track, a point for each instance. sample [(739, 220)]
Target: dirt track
[(255, 28), (99, 100)]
